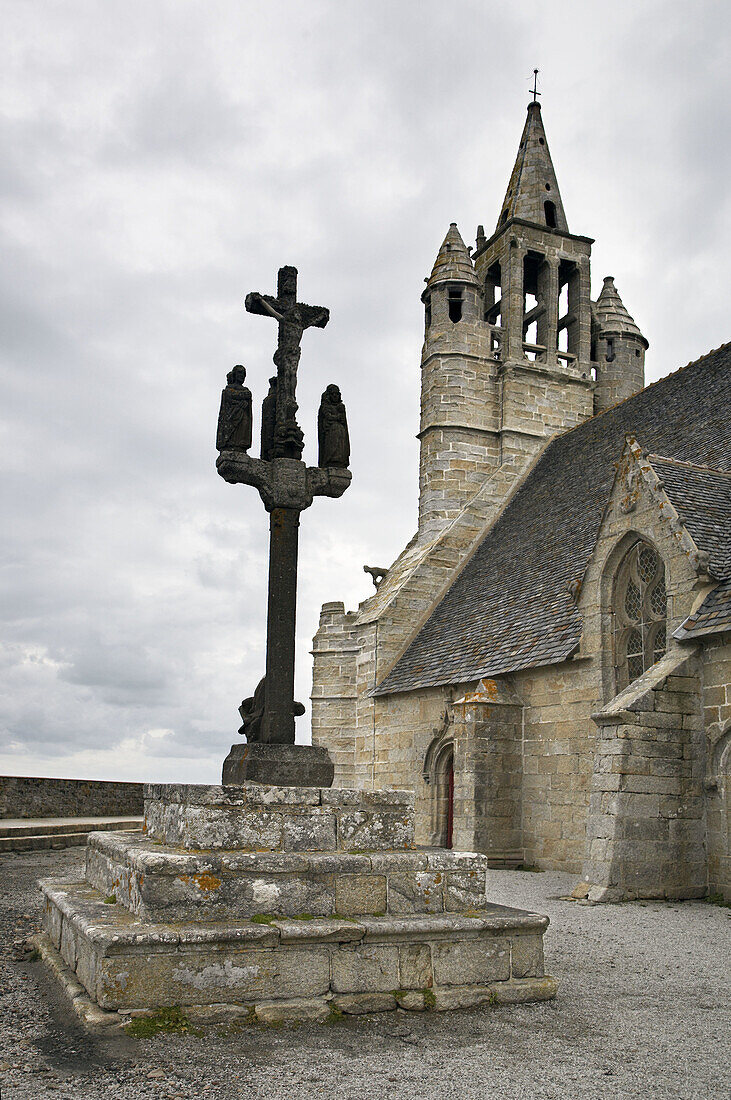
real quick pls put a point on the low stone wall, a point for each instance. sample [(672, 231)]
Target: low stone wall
[(31, 797)]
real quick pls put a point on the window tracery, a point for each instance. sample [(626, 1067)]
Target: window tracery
[(640, 613)]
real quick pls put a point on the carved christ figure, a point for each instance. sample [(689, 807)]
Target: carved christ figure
[(234, 419), (332, 430)]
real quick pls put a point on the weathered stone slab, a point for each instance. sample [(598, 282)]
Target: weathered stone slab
[(356, 894), (127, 963), (368, 968), (279, 765), (419, 892), (374, 829), (251, 816), (477, 961)]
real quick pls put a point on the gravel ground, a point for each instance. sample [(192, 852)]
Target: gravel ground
[(642, 1011)]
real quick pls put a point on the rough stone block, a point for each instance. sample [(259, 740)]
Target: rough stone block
[(419, 892), (373, 829), (469, 962), (356, 894), (526, 954), (464, 890), (356, 1004), (311, 832), (282, 1012), (368, 968), (279, 765), (415, 969)]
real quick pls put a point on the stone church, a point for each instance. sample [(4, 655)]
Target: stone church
[(548, 662)]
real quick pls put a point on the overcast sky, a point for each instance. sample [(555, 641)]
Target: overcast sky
[(162, 159)]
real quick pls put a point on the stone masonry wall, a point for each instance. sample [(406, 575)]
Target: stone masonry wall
[(717, 720), (31, 796)]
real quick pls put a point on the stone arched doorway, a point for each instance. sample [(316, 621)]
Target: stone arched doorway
[(438, 773)]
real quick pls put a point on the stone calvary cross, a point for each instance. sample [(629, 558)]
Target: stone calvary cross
[(286, 486)]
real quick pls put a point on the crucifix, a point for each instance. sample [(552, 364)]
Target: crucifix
[(287, 487), (534, 89), (293, 318)]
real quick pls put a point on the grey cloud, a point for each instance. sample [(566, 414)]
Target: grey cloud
[(163, 161)]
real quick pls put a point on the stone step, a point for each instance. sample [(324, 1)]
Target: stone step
[(254, 817), (449, 959), (28, 840), (40, 826), (159, 882)]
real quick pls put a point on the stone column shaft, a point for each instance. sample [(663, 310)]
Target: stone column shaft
[(278, 719)]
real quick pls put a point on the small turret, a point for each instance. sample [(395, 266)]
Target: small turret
[(458, 389), (452, 290), (618, 349)]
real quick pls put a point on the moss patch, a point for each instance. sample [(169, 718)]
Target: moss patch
[(164, 1020), (111, 900), (718, 899), (430, 1001), (266, 918)]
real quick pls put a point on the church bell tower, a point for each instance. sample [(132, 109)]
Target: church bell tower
[(515, 351)]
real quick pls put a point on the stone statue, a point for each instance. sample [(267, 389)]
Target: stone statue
[(234, 419), (252, 712), (269, 420), (332, 430)]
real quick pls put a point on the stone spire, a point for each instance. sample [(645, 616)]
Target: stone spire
[(453, 262), (533, 192), (611, 314)]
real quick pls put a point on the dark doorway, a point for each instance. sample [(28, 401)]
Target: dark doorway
[(450, 803)]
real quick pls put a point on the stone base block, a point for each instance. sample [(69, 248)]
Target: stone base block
[(450, 959), (158, 882), (279, 765), (278, 819)]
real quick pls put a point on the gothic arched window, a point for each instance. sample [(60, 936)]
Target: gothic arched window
[(640, 613)]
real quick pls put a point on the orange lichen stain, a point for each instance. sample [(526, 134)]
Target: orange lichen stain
[(205, 882), (490, 688), (438, 878)]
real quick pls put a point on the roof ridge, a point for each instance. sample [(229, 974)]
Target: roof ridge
[(632, 396), (689, 465)]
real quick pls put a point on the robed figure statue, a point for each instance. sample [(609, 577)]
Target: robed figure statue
[(269, 420), (234, 419), (332, 430)]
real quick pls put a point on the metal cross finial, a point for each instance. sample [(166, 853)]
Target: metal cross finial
[(534, 89)]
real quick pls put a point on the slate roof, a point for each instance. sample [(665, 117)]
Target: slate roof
[(510, 607), (713, 615), (702, 498)]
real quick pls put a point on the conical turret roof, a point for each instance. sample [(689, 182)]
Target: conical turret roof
[(533, 192), (610, 311), (453, 261)]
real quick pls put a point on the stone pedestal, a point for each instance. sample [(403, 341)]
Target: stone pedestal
[(288, 901), (279, 765)]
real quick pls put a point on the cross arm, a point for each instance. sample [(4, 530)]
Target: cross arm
[(263, 304), (314, 316)]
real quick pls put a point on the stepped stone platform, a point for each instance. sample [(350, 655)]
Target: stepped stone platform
[(288, 902), (32, 834)]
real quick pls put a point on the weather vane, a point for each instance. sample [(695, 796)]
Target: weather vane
[(534, 89)]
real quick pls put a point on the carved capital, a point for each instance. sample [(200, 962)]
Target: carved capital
[(282, 482)]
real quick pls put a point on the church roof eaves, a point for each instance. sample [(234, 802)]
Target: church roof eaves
[(510, 607)]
